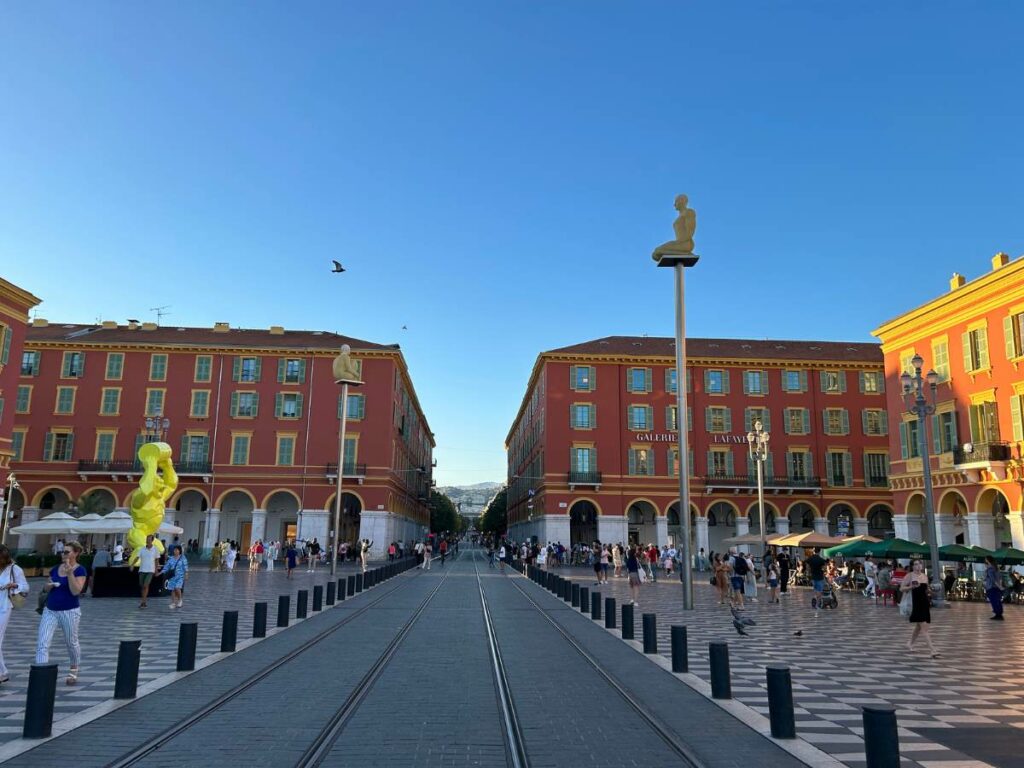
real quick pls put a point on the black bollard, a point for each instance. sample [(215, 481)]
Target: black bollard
[(229, 632), (283, 609), (650, 633), (567, 590), (780, 702), (718, 653), (595, 606), (126, 682), (359, 583), (318, 598), (575, 595), (259, 620), (187, 636), (680, 651), (609, 613), (302, 604), (329, 599), (341, 589), (42, 690), (584, 599), (881, 739), (351, 586), (627, 622)]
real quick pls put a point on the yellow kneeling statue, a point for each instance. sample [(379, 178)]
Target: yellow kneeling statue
[(157, 485)]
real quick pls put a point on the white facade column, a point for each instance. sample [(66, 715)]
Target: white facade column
[(259, 525), (554, 528), (742, 529), (703, 541), (661, 531), (212, 534), (782, 525), (860, 526), (981, 530), (612, 529), (908, 527), (944, 530), (821, 525), (313, 524), (379, 527), (27, 541), (1016, 520)]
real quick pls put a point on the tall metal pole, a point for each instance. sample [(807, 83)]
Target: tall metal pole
[(760, 507), (341, 473), (921, 409), (682, 426)]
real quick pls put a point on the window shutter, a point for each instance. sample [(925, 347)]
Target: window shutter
[(807, 420), (632, 461), (936, 435), (1018, 429), (789, 465), (707, 418), (298, 406), (848, 467), (572, 377), (183, 456), (35, 363), (65, 365), (746, 382), (769, 467), (864, 421), (255, 404), (845, 416), (785, 420), (823, 376), (689, 418), (1008, 340), (824, 421), (5, 353), (302, 371), (711, 462), (236, 368), (707, 380), (725, 381), (860, 382), (281, 364), (48, 447), (650, 463), (766, 419), (648, 384), (278, 405), (904, 453), (881, 381), (592, 376), (867, 469), (81, 364), (728, 419), (841, 375), (258, 369), (965, 339), (591, 408), (730, 468), (883, 419), (140, 440), (747, 420), (764, 382), (234, 403), (982, 348)]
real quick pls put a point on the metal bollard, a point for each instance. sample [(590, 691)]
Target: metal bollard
[(575, 600), (650, 626), (42, 690), (721, 687), (126, 682), (567, 590), (283, 609), (329, 599), (318, 598), (187, 636), (627, 622), (595, 606), (680, 650), (780, 702), (881, 738), (341, 589), (302, 604), (359, 583), (229, 632), (584, 599), (259, 620), (609, 613), (351, 586)]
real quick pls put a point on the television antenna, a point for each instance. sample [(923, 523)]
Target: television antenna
[(160, 314)]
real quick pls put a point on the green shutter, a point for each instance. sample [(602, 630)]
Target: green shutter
[(824, 421), (728, 420), (707, 380), (255, 404), (1008, 340), (234, 404), (766, 419), (789, 465), (711, 462), (881, 381), (936, 435), (707, 418), (278, 405), (689, 418), (747, 420), (1018, 429), (35, 363), (965, 340), (904, 452), (883, 419), (258, 369), (769, 466), (730, 468), (841, 375), (848, 467), (864, 421), (982, 348), (725, 381), (823, 377), (867, 469), (845, 418), (302, 371), (65, 365), (806, 418), (81, 365), (5, 351), (298, 406), (785, 420), (803, 381), (860, 382), (236, 368), (746, 382), (183, 456), (648, 384), (281, 364), (48, 447), (764, 382), (632, 461)]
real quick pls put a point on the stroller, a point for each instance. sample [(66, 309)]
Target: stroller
[(828, 596)]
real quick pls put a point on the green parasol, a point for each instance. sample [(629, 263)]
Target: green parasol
[(1008, 556), (958, 553), (898, 548), (856, 547)]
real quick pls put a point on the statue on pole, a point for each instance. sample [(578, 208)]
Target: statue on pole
[(345, 369), (684, 225)]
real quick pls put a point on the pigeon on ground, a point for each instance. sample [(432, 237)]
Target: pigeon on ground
[(744, 620), (739, 628), (337, 267), (799, 633)]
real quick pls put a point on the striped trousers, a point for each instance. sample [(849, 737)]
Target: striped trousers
[(68, 623)]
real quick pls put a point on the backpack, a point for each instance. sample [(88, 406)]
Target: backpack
[(739, 565)]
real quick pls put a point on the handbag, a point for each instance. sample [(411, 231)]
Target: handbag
[(906, 604), (17, 598)]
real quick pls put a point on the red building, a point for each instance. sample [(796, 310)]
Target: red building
[(973, 337), (253, 420), (593, 451)]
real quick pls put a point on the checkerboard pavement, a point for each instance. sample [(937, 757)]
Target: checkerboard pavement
[(856, 655), (106, 621)]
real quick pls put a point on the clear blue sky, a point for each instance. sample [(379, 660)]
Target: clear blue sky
[(495, 175)]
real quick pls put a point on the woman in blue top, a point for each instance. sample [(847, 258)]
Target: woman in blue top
[(176, 570), (67, 581), (291, 558)]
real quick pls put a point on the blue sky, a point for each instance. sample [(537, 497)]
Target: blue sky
[(495, 175)]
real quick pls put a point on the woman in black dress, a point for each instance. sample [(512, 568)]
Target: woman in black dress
[(916, 583)]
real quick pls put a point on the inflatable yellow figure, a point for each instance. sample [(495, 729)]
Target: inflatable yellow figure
[(148, 503)]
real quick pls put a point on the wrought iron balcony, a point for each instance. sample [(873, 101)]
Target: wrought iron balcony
[(981, 452), (129, 467), (878, 481), (351, 469), (584, 478), (750, 481)]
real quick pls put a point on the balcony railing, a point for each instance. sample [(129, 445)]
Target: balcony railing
[(584, 478), (130, 467), (351, 469), (981, 452), (750, 481), (878, 481)]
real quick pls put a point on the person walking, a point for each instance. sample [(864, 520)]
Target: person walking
[(871, 575), (364, 553), (291, 556), (314, 555), (816, 564), (419, 549), (12, 583), (633, 572), (750, 580), (118, 554), (596, 560), (428, 554), (994, 588), (652, 563), (617, 559), (392, 549), (916, 584), (773, 582), (63, 609), (502, 554), (721, 572), (176, 571), (783, 560), (738, 577), (605, 557), (443, 546), (232, 555), (146, 558)]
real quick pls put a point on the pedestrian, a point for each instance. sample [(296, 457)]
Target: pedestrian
[(63, 609), (994, 588), (915, 589), (773, 582), (783, 561), (501, 558), (291, 557), (232, 555), (146, 559), (617, 559), (490, 553), (118, 554), (176, 571), (721, 572), (816, 564), (364, 553), (750, 580), (419, 548), (12, 584), (606, 556), (101, 559), (702, 561), (392, 550), (428, 554), (738, 578), (542, 558), (633, 572), (652, 563), (270, 553), (314, 555), (871, 575), (597, 563), (443, 546)]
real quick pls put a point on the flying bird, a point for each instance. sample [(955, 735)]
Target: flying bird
[(404, 328), (337, 266), (739, 628)]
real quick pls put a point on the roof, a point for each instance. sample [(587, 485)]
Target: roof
[(761, 349), (74, 333)]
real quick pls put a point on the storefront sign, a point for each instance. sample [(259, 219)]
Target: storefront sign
[(729, 439), (657, 437)]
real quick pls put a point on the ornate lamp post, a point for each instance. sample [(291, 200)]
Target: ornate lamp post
[(758, 443), (12, 486), (918, 405), (346, 374), (157, 428)]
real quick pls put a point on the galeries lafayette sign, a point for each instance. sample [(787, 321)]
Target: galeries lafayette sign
[(657, 437)]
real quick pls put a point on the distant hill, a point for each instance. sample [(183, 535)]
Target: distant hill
[(472, 498)]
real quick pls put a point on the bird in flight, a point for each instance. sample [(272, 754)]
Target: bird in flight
[(404, 328), (337, 266)]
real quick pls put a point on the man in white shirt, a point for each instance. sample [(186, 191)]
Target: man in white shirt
[(871, 574), (58, 547), (146, 558), (118, 554)]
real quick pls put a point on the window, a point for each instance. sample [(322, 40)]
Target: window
[(876, 470), (670, 381), (753, 415), (975, 348), (638, 380), (349, 455), (909, 446), (583, 459), (716, 382), (940, 359), (836, 421), (582, 378), (984, 422), (874, 422), (158, 367), (65, 400), (799, 466), (23, 402), (195, 448), (240, 449), (245, 405), (110, 401), (833, 382), (671, 420), (1013, 335), (115, 366), (291, 371), (840, 468), (58, 446), (105, 446), (204, 368), (288, 405), (798, 421), (73, 365), (200, 406), (755, 383), (872, 382), (285, 450), (906, 366), (17, 444), (768, 469), (794, 381), (717, 419), (29, 363), (720, 463), (246, 369), (641, 461), (639, 417), (356, 409), (154, 402), (582, 416), (6, 336), (944, 438)]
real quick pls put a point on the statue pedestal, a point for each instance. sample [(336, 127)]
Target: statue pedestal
[(668, 256)]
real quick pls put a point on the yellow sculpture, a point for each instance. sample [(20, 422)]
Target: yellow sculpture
[(345, 370), (684, 225), (148, 503)]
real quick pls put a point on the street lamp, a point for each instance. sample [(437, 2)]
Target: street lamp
[(12, 486), (758, 443), (918, 405), (156, 428), (346, 374)]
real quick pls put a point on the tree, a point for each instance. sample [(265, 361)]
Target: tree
[(495, 516), (443, 515)]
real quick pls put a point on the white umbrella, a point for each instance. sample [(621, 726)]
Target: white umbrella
[(54, 523)]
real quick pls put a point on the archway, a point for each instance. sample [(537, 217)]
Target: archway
[(102, 500), (642, 518), (880, 523), (754, 515), (236, 508), (801, 517), (840, 513), (583, 523), (282, 516), (721, 524), (189, 508), (675, 525), (53, 500), (992, 502), (351, 515)]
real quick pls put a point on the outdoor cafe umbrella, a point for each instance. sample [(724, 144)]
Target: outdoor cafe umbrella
[(1008, 556), (54, 523), (898, 548), (858, 546), (958, 553), (809, 539)]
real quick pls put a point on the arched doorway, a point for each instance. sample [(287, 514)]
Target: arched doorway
[(99, 500), (642, 520), (801, 518), (675, 525), (351, 513), (721, 524), (54, 500), (880, 522), (583, 523), (190, 515), (840, 513), (993, 507), (236, 508), (282, 516), (754, 515)]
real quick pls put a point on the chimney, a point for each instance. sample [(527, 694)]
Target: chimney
[(40, 322), (133, 325), (149, 326), (1000, 260), (277, 330), (221, 327), (109, 324), (957, 281)]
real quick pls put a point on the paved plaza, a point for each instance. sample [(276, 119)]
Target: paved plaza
[(963, 710)]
